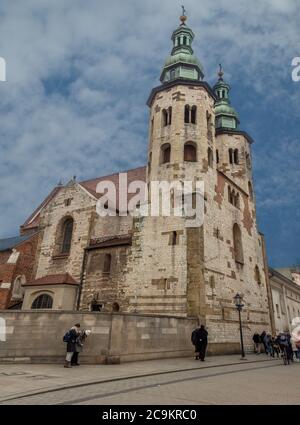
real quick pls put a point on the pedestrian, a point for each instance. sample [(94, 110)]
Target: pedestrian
[(70, 338), (202, 342), (257, 342), (275, 345), (269, 345), (263, 341), (79, 346), (194, 339)]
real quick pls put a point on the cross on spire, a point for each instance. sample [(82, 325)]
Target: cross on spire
[(183, 17)]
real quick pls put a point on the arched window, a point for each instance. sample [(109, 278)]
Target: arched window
[(184, 40), (193, 114), (165, 153), (257, 275), (164, 117), (17, 292), (43, 301), (229, 194), (210, 157), (115, 307), (67, 236), (237, 200), (236, 156), (248, 161), (209, 126), (170, 115), (237, 244), (230, 152), (250, 190), (190, 152), (167, 116), (187, 114), (107, 263), (217, 156), (149, 162)]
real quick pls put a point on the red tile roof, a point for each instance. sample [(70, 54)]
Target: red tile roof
[(90, 185), (54, 279), (132, 175)]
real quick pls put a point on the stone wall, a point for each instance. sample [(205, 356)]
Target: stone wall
[(36, 337)]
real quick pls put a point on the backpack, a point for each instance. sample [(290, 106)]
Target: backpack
[(67, 337)]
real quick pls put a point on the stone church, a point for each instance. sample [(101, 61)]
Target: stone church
[(158, 265)]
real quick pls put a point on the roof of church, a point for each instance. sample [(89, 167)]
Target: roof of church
[(10, 243), (132, 175), (53, 279), (90, 185)]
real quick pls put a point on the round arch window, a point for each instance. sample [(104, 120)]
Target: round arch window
[(115, 307), (43, 301)]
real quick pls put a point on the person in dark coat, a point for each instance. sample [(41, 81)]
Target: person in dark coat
[(257, 342), (73, 334), (202, 342), (263, 341)]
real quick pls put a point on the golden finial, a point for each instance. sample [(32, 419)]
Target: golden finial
[(183, 17)]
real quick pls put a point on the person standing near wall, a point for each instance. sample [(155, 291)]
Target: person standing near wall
[(202, 336), (257, 343), (199, 339), (79, 346), (71, 338)]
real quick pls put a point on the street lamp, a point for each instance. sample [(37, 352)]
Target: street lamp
[(239, 306)]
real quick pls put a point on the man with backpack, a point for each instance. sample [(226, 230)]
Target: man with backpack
[(71, 338)]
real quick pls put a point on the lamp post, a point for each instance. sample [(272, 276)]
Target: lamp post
[(239, 306)]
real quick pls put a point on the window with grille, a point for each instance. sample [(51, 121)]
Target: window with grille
[(43, 301)]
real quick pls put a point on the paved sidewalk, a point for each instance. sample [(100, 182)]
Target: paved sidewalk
[(17, 380)]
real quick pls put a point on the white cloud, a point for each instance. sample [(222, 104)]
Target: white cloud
[(79, 74)]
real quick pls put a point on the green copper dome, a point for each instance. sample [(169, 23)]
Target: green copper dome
[(226, 116), (184, 58), (182, 63), (224, 108)]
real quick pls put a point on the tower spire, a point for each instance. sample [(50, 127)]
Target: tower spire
[(226, 116), (182, 63)]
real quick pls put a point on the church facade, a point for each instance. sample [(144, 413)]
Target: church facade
[(159, 265)]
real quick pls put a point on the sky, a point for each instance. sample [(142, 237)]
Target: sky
[(79, 74)]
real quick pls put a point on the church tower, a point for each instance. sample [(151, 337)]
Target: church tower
[(194, 135)]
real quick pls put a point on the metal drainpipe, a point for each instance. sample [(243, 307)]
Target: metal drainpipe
[(81, 278)]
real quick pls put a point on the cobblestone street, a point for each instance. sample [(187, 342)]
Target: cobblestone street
[(220, 380)]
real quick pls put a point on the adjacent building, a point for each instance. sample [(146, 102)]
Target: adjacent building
[(285, 286), (17, 257)]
